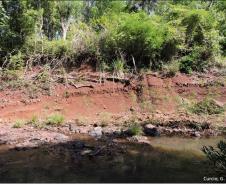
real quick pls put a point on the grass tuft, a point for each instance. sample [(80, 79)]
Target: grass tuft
[(55, 119), (135, 129), (19, 124)]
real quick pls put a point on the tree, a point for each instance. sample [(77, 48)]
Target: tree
[(95, 9), (68, 11), (4, 28), (19, 22), (145, 5)]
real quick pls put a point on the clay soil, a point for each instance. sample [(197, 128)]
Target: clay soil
[(147, 94)]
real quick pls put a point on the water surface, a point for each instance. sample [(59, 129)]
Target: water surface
[(167, 160)]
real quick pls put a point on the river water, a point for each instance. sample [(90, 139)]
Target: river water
[(169, 159)]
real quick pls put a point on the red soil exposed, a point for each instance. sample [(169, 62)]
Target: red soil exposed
[(110, 97)]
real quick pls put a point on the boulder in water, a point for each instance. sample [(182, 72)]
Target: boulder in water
[(96, 132), (151, 130)]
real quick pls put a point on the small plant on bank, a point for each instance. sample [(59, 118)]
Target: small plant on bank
[(119, 68), (105, 118), (19, 124), (135, 129), (35, 122), (34, 119), (55, 119), (217, 156), (171, 69), (207, 106), (66, 94)]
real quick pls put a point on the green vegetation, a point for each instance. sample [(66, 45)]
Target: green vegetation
[(171, 69), (19, 124), (135, 129), (36, 122), (207, 106), (55, 119), (34, 119), (104, 118), (217, 156), (118, 36)]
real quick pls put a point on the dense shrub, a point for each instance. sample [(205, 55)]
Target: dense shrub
[(54, 48), (198, 41), (136, 36), (207, 106), (81, 45), (84, 39), (192, 33), (16, 62)]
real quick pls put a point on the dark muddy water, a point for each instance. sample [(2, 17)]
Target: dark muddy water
[(167, 160)]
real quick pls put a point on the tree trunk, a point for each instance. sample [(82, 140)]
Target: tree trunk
[(64, 33), (64, 25)]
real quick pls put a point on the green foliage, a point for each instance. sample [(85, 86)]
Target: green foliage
[(54, 49), (150, 34), (16, 62), (199, 39), (10, 75), (95, 9), (135, 129), (67, 10), (207, 106), (34, 119), (217, 156), (198, 60), (171, 69), (18, 23), (35, 122), (118, 67), (135, 35), (55, 119), (19, 124), (84, 40)]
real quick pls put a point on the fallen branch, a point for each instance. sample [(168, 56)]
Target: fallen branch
[(80, 86), (116, 79)]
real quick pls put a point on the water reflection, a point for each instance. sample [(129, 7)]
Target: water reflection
[(167, 160)]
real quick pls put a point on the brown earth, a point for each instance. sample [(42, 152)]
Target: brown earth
[(149, 93), (95, 107)]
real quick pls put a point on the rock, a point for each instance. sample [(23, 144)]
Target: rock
[(196, 134), (177, 131), (132, 109), (83, 130), (111, 131), (218, 103), (210, 132), (2, 142), (96, 132), (85, 152), (79, 129), (73, 127), (139, 139), (151, 130), (60, 138)]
